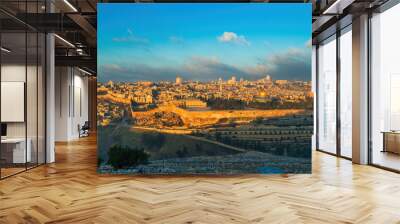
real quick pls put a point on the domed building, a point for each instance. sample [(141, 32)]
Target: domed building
[(262, 96), (262, 93), (178, 80)]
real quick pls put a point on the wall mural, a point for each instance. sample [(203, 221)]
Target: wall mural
[(204, 88)]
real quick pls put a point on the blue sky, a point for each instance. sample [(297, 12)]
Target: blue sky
[(203, 41)]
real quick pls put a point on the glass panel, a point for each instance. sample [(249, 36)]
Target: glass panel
[(13, 86), (31, 98), (385, 84), (314, 87), (346, 93), (41, 99), (32, 87), (23, 85), (327, 96)]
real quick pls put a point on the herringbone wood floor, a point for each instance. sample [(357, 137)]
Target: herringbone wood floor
[(70, 191)]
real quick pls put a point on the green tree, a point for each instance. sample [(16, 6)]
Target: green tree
[(123, 157), (182, 152), (217, 136), (258, 121), (198, 147), (153, 140)]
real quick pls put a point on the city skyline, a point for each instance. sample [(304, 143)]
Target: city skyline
[(237, 79), (155, 42)]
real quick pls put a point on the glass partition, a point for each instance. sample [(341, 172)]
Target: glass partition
[(13, 105), (31, 97), (22, 88), (385, 89), (314, 90), (346, 92), (41, 97), (327, 95)]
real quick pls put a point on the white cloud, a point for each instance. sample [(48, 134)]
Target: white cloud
[(232, 37), (291, 64), (308, 43), (131, 37), (130, 31), (294, 63), (204, 60)]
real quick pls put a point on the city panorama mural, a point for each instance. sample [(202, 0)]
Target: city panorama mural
[(204, 88)]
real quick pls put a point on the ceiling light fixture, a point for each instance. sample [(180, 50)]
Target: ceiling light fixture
[(5, 50), (79, 51), (333, 6), (84, 71), (70, 5), (337, 7), (64, 40)]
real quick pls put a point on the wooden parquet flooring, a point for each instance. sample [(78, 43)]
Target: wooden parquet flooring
[(70, 191)]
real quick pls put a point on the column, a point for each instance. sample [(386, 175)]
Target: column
[(360, 90)]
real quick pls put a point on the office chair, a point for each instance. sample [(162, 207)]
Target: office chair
[(84, 130)]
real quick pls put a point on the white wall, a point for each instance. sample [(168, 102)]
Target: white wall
[(33, 127), (62, 81), (16, 73), (71, 103), (12, 73), (80, 111)]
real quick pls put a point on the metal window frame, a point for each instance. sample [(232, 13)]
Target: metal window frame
[(339, 28)]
